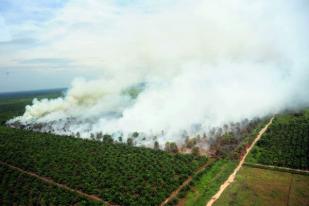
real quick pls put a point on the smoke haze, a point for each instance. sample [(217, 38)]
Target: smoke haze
[(178, 66)]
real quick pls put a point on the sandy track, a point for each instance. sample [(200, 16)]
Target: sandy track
[(51, 182), (186, 182), (277, 168), (231, 178)]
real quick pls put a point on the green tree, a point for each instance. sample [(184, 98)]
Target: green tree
[(156, 145), (130, 141), (99, 136), (108, 139), (195, 151), (173, 147)]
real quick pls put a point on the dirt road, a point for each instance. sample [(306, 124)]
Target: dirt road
[(231, 178), (186, 182), (282, 169), (51, 182)]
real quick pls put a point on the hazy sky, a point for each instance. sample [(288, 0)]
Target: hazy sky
[(199, 63), (45, 44)]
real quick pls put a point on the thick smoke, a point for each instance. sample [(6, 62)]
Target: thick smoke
[(181, 67)]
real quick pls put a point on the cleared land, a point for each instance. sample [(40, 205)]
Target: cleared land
[(255, 186), (269, 181), (231, 178)]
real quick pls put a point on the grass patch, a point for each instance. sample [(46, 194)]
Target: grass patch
[(259, 187), (209, 183)]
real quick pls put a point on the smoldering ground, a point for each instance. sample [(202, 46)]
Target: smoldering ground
[(176, 67)]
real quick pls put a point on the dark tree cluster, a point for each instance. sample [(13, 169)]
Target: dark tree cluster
[(116, 172), (286, 143), (232, 140), (17, 188)]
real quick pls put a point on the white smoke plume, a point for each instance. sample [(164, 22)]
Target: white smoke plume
[(177, 66)]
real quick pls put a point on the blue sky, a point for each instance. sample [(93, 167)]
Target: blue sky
[(30, 57), (48, 43), (19, 23)]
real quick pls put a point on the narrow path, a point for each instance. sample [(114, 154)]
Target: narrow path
[(288, 199), (51, 182), (185, 183), (231, 178), (277, 168)]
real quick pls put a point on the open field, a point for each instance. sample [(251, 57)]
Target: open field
[(259, 187), (207, 185), (269, 181), (223, 171)]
